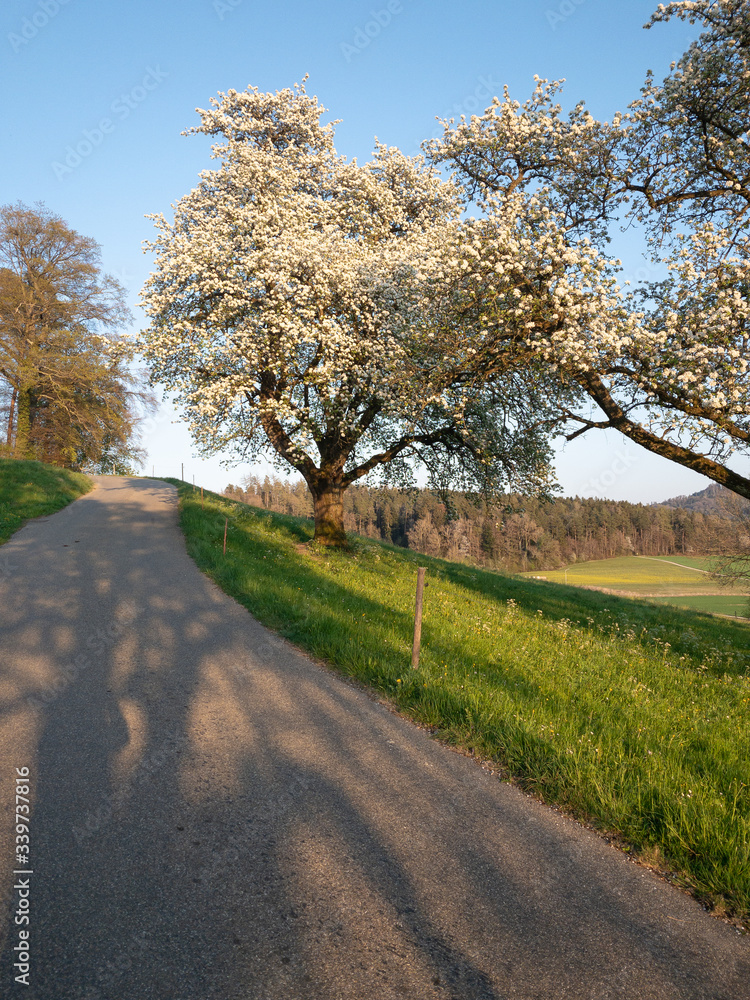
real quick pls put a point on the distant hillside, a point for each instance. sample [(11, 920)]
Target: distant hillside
[(519, 533), (715, 500)]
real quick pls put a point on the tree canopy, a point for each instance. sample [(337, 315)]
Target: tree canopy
[(668, 364), (351, 318), (301, 305), (71, 395)]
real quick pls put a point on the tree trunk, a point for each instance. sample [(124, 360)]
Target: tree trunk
[(11, 415), (23, 424), (328, 501)]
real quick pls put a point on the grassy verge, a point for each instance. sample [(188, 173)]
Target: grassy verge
[(33, 489), (630, 716)]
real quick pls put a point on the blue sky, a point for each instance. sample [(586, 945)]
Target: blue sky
[(97, 94)]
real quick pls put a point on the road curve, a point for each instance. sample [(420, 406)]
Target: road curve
[(215, 817)]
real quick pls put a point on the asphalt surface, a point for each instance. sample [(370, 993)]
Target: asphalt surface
[(215, 816)]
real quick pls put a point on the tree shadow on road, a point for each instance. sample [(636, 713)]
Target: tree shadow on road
[(217, 817)]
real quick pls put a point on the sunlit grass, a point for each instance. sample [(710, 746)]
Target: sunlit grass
[(33, 489), (706, 563), (734, 605), (674, 580), (634, 574), (629, 715)]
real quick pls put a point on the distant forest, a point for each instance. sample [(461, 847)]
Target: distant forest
[(520, 534)]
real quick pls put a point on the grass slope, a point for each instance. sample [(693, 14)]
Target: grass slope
[(630, 716), (33, 489)]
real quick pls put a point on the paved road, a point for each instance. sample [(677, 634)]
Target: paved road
[(214, 816)]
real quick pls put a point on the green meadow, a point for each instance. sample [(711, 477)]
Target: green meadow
[(630, 716), (705, 563), (682, 581)]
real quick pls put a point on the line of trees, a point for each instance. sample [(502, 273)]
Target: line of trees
[(68, 392), (516, 535)]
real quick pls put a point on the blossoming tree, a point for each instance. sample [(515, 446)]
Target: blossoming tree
[(298, 306), (669, 365)]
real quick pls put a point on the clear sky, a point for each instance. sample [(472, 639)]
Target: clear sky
[(96, 94)]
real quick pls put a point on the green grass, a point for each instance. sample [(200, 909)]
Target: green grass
[(633, 574), (667, 580), (736, 605), (706, 563), (33, 489), (631, 716)]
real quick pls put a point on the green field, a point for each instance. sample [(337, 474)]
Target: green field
[(677, 581), (706, 563), (737, 606), (33, 489), (630, 715)]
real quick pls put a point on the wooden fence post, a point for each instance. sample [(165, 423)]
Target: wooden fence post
[(418, 618)]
